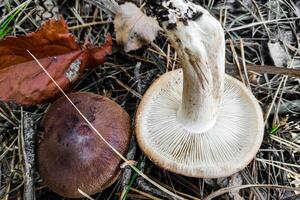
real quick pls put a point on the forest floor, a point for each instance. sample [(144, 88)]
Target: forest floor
[(258, 32)]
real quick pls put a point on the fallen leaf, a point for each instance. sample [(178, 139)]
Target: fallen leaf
[(22, 80), (278, 54), (133, 28)]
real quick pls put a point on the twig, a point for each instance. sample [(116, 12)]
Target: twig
[(137, 77), (232, 69), (144, 194), (142, 184), (29, 135), (126, 176), (261, 23)]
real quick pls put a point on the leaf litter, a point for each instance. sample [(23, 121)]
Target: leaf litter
[(279, 154)]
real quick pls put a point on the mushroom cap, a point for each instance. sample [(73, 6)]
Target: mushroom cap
[(221, 151), (71, 156)]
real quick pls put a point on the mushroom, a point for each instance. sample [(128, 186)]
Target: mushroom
[(197, 121), (70, 156)]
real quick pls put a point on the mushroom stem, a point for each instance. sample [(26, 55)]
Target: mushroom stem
[(199, 40)]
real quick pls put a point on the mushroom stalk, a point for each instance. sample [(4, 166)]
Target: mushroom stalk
[(200, 44)]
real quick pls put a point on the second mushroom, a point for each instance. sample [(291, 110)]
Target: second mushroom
[(197, 121), (71, 156)]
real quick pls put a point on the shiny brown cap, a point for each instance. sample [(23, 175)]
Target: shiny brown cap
[(71, 156)]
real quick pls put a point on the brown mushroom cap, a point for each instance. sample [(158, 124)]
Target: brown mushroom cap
[(71, 156)]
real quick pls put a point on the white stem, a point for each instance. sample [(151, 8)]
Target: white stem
[(200, 45)]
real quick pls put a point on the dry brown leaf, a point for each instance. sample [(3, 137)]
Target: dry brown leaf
[(133, 28), (23, 81)]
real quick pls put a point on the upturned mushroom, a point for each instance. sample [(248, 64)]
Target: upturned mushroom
[(197, 121), (70, 156)]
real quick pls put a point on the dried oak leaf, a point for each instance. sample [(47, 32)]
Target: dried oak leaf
[(133, 28), (23, 81)]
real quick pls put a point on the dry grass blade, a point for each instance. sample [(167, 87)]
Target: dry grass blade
[(261, 23), (287, 143), (6, 20), (267, 114), (90, 24), (287, 164), (285, 169), (148, 196), (84, 194), (228, 189), (103, 139), (235, 57), (135, 93)]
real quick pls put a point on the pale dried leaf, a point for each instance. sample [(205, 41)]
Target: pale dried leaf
[(133, 28), (235, 180), (278, 54)]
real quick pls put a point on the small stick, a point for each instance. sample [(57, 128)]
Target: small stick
[(29, 135), (232, 69), (142, 184), (126, 176)]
